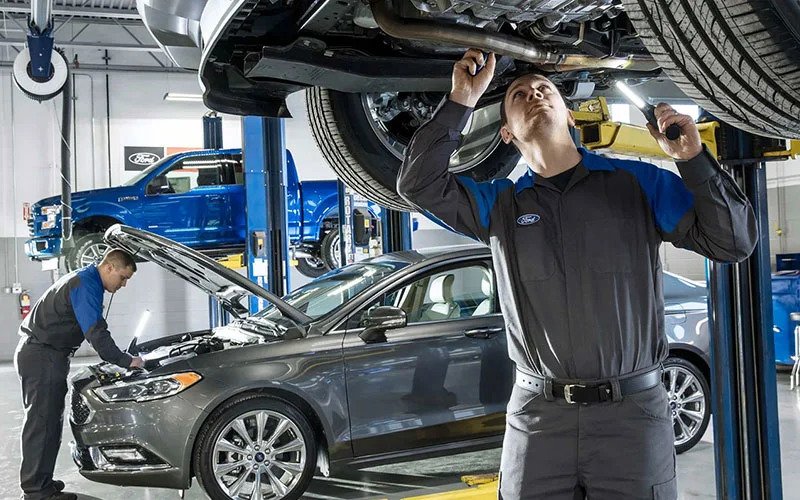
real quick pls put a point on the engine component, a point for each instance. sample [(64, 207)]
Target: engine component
[(516, 47), (552, 11)]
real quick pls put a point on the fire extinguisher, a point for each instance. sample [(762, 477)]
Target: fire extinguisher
[(24, 304)]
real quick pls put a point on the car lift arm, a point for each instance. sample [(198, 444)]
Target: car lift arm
[(599, 133)]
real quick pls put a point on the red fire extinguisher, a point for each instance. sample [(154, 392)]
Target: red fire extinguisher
[(24, 304)]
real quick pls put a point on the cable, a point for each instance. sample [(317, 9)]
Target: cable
[(108, 309)]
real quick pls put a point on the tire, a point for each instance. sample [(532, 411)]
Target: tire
[(245, 409), (690, 418), (736, 59), (312, 267), (349, 142), (329, 249), (89, 248)]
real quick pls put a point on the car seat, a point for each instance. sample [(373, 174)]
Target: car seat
[(440, 303)]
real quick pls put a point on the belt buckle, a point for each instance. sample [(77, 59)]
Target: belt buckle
[(568, 392)]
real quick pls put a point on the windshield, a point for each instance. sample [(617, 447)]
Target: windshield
[(144, 173), (329, 292)]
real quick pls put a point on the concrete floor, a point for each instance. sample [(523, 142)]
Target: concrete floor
[(695, 468)]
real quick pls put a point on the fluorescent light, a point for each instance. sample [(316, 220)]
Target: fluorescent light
[(142, 323), (174, 96), (630, 94)]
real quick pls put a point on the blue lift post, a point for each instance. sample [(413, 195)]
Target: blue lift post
[(396, 230), (743, 380), (212, 139), (264, 153)]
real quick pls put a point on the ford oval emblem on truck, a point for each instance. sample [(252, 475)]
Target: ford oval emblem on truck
[(528, 219), (143, 158)]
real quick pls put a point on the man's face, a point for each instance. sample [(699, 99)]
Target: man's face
[(533, 104), (116, 277)]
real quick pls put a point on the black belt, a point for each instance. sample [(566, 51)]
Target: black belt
[(69, 351), (588, 392)]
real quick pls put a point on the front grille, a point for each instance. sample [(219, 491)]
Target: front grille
[(80, 412), (31, 229)]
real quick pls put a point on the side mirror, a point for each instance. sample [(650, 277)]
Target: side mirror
[(379, 319)]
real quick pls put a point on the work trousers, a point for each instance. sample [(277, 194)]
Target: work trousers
[(616, 450), (43, 372)]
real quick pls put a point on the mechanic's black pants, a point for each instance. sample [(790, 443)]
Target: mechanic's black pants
[(615, 450), (43, 372)]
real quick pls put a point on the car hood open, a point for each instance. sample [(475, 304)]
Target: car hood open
[(226, 285)]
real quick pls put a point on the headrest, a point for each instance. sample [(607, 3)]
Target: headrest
[(441, 289)]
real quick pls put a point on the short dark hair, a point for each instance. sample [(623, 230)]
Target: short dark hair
[(120, 258)]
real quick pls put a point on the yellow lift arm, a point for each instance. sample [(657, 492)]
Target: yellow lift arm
[(599, 133)]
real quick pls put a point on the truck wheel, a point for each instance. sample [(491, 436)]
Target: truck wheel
[(255, 447), (363, 137), (738, 60), (88, 249), (329, 249), (689, 401), (313, 267)]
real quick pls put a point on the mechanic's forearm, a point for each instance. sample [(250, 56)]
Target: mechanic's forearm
[(724, 228), (424, 172), (106, 348)]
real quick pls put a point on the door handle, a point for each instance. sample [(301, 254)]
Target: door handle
[(483, 333)]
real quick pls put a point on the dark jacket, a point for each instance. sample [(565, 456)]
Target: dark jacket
[(578, 271), (71, 310)]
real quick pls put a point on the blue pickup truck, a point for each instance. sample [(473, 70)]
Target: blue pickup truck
[(196, 198)]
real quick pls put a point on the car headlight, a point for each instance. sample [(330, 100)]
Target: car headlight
[(148, 389)]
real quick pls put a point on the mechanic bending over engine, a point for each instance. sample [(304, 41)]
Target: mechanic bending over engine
[(575, 243), (69, 311)]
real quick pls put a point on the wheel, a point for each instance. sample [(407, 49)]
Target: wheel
[(89, 249), (689, 400), (330, 249), (738, 59), (313, 267), (35, 88), (255, 447), (363, 137)]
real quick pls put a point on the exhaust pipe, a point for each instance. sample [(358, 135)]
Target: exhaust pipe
[(515, 47)]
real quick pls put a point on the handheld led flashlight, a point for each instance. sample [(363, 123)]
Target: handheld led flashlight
[(648, 110)]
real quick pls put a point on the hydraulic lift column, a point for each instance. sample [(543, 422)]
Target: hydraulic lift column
[(264, 154), (212, 139), (743, 381)]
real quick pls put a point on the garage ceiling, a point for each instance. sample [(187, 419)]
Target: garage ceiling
[(86, 29)]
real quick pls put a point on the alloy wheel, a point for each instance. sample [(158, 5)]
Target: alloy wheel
[(395, 116), (259, 455), (93, 254), (687, 402)]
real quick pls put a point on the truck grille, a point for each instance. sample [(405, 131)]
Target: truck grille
[(80, 412), (31, 229)]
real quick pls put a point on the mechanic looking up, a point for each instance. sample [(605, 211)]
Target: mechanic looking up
[(69, 311), (575, 244)]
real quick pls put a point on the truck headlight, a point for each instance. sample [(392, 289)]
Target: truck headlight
[(51, 210), (148, 389)]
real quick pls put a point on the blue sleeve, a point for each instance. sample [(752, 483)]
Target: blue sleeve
[(87, 304), (666, 193)]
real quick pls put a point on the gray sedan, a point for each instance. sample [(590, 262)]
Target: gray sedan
[(398, 357)]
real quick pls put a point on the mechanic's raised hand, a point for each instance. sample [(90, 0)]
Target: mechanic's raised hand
[(137, 362), (469, 83), (685, 147)]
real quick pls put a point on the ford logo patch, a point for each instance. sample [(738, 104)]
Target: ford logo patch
[(143, 158), (528, 219)]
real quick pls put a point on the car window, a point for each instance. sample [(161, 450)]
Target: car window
[(195, 172), (677, 288), (460, 292)]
